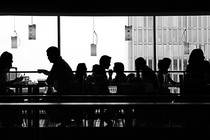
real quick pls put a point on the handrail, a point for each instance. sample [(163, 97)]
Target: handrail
[(134, 102), (106, 98), (29, 71)]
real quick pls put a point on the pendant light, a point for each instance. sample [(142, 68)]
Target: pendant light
[(15, 40), (93, 46), (185, 43), (128, 31), (32, 30)]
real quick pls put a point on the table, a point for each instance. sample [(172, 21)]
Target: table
[(33, 88)]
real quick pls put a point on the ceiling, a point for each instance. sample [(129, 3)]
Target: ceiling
[(106, 8)]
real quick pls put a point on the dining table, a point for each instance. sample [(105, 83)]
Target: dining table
[(30, 88)]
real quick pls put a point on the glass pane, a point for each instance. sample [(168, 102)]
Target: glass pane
[(29, 55), (190, 30), (77, 35)]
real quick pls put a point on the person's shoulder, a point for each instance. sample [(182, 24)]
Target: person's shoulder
[(150, 70)]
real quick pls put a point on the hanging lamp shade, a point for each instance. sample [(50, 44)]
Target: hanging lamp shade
[(186, 48), (14, 42), (93, 46), (128, 32), (32, 32), (93, 49), (14, 38)]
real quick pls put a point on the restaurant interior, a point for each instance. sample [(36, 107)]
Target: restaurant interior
[(132, 114)]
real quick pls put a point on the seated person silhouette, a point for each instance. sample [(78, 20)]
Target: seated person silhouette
[(197, 74), (91, 79), (149, 117), (80, 78), (134, 84), (101, 80), (59, 77), (195, 84), (120, 80), (100, 86), (164, 77), (8, 118), (120, 76), (148, 76)]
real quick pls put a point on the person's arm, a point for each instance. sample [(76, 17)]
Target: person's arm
[(46, 72), (172, 81), (18, 79)]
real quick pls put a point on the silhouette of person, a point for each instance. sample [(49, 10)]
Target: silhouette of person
[(104, 63), (81, 72), (197, 74), (163, 76), (8, 117), (101, 80), (195, 83), (120, 76), (120, 79), (61, 78), (149, 78), (80, 78), (6, 60), (61, 75), (91, 79)]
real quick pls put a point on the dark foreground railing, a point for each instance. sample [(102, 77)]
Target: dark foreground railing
[(173, 111)]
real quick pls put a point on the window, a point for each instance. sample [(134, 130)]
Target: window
[(175, 64), (27, 55), (140, 35), (108, 33), (77, 35)]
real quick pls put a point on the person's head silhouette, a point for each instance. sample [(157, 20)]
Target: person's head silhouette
[(105, 61), (196, 56), (6, 60), (118, 67), (164, 64), (95, 69), (140, 63), (53, 54), (81, 68)]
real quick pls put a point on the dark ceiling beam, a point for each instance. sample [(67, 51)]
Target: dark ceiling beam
[(104, 8)]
